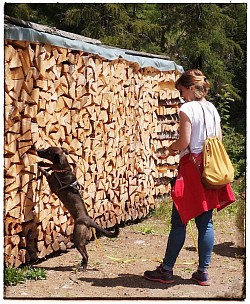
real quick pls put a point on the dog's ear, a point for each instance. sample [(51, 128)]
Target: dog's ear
[(57, 159), (65, 151)]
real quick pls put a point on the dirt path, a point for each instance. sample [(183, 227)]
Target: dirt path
[(110, 279)]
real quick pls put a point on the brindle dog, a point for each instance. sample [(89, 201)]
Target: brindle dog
[(62, 181)]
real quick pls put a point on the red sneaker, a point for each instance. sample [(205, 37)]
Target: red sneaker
[(201, 277), (160, 275)]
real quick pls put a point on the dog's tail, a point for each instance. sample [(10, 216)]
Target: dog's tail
[(105, 232)]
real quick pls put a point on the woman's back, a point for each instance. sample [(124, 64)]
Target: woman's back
[(194, 111)]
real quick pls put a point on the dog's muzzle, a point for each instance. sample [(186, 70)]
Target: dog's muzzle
[(40, 152)]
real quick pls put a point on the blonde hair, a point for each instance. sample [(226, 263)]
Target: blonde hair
[(194, 78)]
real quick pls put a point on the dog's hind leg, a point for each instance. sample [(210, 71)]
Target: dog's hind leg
[(80, 238)]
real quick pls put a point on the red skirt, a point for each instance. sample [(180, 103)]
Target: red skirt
[(190, 196)]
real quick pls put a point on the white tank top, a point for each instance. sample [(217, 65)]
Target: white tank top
[(194, 112)]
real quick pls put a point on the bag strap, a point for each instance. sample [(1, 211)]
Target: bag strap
[(204, 117), (192, 157), (205, 121)]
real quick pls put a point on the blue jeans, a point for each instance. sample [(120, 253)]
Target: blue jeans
[(177, 237)]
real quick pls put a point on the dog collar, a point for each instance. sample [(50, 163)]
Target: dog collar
[(65, 170)]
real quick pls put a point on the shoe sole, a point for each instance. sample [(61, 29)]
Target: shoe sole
[(159, 280), (200, 282)]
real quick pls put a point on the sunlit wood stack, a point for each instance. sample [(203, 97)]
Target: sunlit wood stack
[(111, 116)]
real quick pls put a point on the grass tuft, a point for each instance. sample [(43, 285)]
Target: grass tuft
[(14, 276)]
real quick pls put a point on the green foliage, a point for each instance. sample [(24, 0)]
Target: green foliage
[(205, 43), (14, 276), (239, 188), (237, 152), (223, 100)]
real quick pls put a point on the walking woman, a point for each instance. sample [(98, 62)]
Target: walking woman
[(190, 198)]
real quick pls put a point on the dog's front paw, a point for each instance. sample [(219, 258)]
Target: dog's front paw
[(40, 169), (84, 265), (44, 172)]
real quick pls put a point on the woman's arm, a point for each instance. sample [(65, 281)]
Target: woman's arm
[(184, 135)]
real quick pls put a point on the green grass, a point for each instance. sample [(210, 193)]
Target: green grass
[(14, 276), (146, 230), (163, 210), (161, 214)]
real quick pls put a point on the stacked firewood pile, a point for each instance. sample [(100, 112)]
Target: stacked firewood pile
[(111, 116)]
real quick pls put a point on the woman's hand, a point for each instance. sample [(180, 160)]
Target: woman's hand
[(162, 156), (162, 153), (171, 151)]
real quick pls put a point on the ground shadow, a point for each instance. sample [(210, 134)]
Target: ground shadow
[(60, 268), (123, 280), (226, 249), (133, 281)]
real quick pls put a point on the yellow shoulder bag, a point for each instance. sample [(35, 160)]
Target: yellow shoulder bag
[(218, 169)]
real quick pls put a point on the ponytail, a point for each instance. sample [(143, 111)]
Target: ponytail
[(194, 78)]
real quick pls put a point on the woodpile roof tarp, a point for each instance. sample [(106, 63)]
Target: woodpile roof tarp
[(29, 31)]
